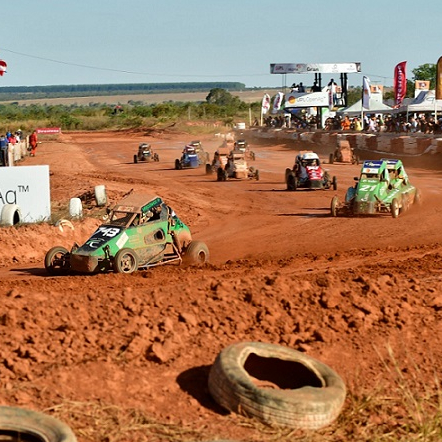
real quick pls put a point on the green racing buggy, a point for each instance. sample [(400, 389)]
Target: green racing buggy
[(141, 231), (383, 187)]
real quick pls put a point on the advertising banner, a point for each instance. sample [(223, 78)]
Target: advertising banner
[(366, 92), (298, 99), (28, 187), (277, 102), (307, 68), (439, 79), (265, 104), (400, 83)]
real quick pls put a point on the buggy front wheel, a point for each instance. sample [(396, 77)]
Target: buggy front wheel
[(125, 261), (57, 261), (334, 206), (394, 208)]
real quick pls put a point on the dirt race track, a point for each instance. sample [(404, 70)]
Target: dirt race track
[(126, 357)]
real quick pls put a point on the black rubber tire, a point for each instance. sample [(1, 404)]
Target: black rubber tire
[(331, 158), (309, 394), (177, 164), (209, 169), (257, 175), (196, 253), (57, 261), (335, 183), (334, 206), (156, 157), (125, 261), (135, 159), (22, 424), (291, 182), (395, 208)]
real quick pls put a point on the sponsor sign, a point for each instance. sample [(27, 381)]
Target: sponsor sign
[(48, 130), (307, 68), (28, 187), (299, 99)]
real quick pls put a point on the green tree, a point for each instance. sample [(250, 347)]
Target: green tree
[(221, 97)]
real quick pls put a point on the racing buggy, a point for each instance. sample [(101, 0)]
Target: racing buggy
[(141, 231), (383, 187), (344, 153), (243, 146), (308, 173), (220, 158), (193, 156), (145, 153), (236, 167)]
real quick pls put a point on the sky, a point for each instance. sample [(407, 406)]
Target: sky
[(73, 42)]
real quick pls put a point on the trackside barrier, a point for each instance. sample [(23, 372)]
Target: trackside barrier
[(403, 144)]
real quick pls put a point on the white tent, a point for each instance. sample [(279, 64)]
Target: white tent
[(424, 102), (375, 107)]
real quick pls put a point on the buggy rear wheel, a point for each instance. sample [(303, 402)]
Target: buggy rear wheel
[(331, 158), (57, 261), (135, 159), (335, 183), (196, 253), (125, 261)]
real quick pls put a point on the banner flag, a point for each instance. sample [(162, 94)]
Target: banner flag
[(439, 79), (3, 67), (265, 104), (366, 92), (400, 83), (277, 102)]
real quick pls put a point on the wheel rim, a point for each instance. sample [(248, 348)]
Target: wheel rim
[(127, 263)]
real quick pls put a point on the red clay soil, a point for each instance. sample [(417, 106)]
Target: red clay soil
[(363, 295)]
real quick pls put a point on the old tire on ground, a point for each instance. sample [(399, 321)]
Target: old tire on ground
[(100, 195), (57, 261), (125, 261), (395, 208), (28, 425), (334, 206), (196, 253), (75, 208), (10, 215), (276, 385)]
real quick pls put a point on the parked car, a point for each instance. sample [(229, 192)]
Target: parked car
[(141, 231), (308, 173), (383, 187), (145, 153)]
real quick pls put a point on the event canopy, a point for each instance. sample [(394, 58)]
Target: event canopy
[(375, 107), (424, 102)]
